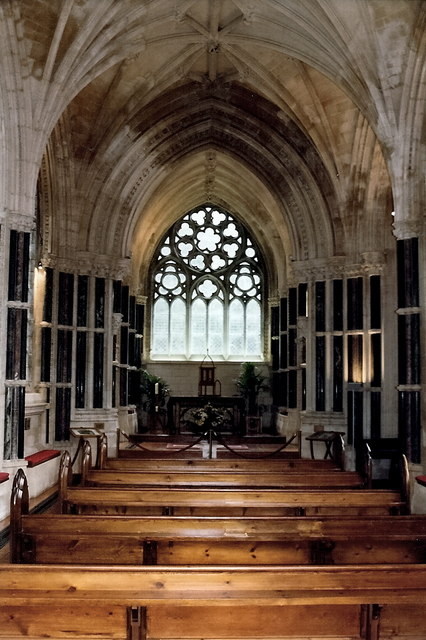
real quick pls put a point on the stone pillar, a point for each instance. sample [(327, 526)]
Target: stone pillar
[(17, 321), (409, 375)]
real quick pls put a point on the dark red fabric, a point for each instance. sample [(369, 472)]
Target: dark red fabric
[(421, 480), (41, 456), (4, 477)]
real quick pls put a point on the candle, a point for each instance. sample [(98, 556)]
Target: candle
[(157, 388)]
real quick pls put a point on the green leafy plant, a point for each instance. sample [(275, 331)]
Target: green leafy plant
[(154, 391), (249, 383)]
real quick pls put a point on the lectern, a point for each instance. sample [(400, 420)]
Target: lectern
[(207, 384)]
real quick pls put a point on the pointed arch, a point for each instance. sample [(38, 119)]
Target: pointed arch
[(207, 279)]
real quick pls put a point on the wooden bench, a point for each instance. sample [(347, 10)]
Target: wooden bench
[(240, 502), (223, 501), (314, 479), (258, 474), (219, 464), (365, 602), (271, 601), (188, 540), (127, 540)]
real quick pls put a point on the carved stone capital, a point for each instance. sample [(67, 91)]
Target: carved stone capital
[(117, 319), (17, 221), (373, 261), (405, 229)]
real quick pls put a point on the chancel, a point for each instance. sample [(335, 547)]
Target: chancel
[(192, 191)]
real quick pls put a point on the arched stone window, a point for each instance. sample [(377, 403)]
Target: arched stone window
[(208, 286)]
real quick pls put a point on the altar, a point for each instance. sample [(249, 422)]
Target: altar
[(231, 407)]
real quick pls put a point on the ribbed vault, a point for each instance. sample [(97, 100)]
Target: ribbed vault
[(263, 108), (202, 144)]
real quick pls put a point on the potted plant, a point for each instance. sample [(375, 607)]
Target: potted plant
[(249, 383), (154, 392)]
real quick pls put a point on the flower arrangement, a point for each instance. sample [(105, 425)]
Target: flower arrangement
[(207, 417)]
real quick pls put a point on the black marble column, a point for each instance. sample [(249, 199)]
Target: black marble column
[(355, 401), (98, 370), (337, 373), (320, 373), (14, 422), (355, 303), (275, 341), (63, 413), (409, 347), (320, 306), (16, 344), (80, 370), (337, 305)]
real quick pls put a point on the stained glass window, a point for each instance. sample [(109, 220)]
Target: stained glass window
[(207, 290)]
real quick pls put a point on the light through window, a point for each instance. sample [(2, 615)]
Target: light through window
[(207, 290)]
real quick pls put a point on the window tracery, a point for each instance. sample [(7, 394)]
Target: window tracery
[(207, 290)]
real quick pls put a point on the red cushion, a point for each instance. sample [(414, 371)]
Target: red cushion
[(421, 480), (42, 456), (4, 476)]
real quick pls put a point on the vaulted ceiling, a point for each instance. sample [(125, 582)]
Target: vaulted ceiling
[(286, 112)]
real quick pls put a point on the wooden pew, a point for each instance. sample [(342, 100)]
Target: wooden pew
[(365, 602), (258, 474), (187, 540), (116, 604), (223, 501), (236, 479), (219, 464), (207, 501), (127, 540)]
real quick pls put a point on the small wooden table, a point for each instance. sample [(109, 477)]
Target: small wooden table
[(323, 436)]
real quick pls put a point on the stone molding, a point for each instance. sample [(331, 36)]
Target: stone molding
[(91, 264), (408, 311), (372, 263)]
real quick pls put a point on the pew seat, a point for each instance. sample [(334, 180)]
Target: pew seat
[(52, 585)]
